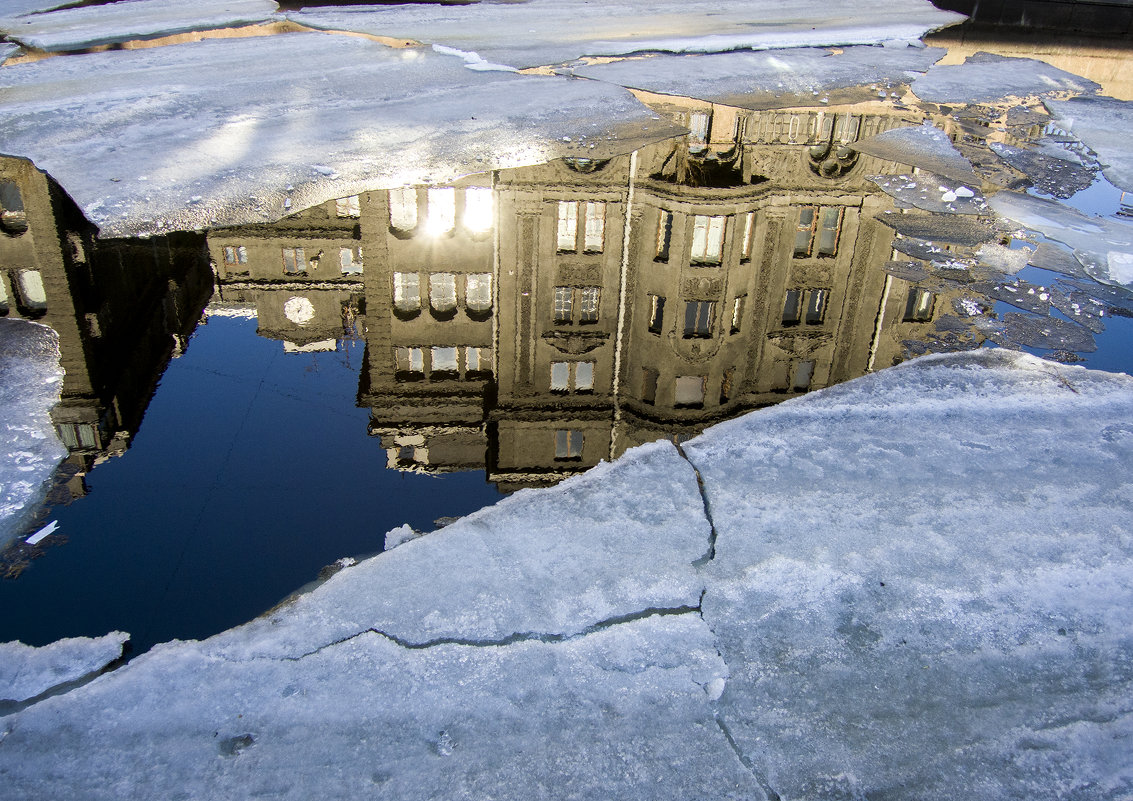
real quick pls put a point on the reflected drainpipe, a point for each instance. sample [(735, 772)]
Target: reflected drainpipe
[(616, 422)]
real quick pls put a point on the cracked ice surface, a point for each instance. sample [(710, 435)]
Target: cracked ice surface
[(1103, 124), (25, 672), (745, 79), (543, 32), (542, 564), (931, 193), (924, 146), (30, 381), (930, 595), (90, 26), (987, 78), (226, 132)]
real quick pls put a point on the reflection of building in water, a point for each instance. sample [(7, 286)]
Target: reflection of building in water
[(537, 320), (121, 309)]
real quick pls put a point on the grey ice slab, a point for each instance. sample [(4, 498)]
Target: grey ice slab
[(1104, 125), (1057, 177), (235, 131), (987, 78), (948, 228), (924, 146), (25, 672), (932, 193), (924, 582), (544, 32), (108, 23), (618, 540), (746, 79), (618, 714)]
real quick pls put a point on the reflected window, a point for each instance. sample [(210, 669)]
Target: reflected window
[(13, 218), (829, 229), (442, 291), (350, 261), (664, 235), (737, 314), (749, 232), (804, 232), (567, 237), (235, 254), (441, 217), (478, 292), (698, 318), (802, 375), (478, 360), (689, 390), (586, 299), (726, 384), (918, 307), (698, 123), (78, 435), (707, 240), (816, 306), (572, 376), (595, 238), (656, 314), (33, 296), (588, 308), (294, 261), (564, 304), (348, 207), (560, 376), (568, 444), (406, 292), (403, 209), (792, 307), (648, 385), (409, 360), (444, 360), (848, 126), (478, 209)]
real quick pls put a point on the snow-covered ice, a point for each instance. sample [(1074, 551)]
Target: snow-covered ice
[(749, 79), (918, 584), (1103, 124), (90, 26), (30, 382), (924, 146), (218, 123), (988, 78), (931, 193), (26, 672), (546, 32)]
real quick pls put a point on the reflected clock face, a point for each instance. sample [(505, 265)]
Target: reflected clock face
[(299, 310)]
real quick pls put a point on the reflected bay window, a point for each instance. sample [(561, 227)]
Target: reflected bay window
[(804, 232), (707, 240), (442, 292), (699, 315)]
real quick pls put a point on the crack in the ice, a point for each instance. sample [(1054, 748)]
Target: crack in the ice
[(710, 554), (760, 779)]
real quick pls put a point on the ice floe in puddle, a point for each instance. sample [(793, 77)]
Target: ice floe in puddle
[(1103, 124), (989, 78), (932, 193), (923, 146)]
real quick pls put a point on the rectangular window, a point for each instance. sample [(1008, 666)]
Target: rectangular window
[(802, 375), (829, 229), (406, 291), (584, 376), (478, 291), (348, 207), (918, 308), (689, 390), (410, 360), (707, 240), (32, 294), (792, 307), (560, 376), (595, 227), (737, 314), (478, 209), (749, 232), (698, 318), (478, 360), (350, 260), (648, 385), (403, 209), (698, 122), (229, 255), (588, 307), (656, 314), (568, 444), (564, 304), (804, 233), (664, 235), (294, 261), (442, 291), (568, 226), (441, 210), (572, 376), (848, 126), (816, 306), (444, 360)]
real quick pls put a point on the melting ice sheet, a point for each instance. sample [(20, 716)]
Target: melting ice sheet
[(989, 78), (542, 32), (1104, 124), (907, 608), (226, 132), (30, 381), (26, 672)]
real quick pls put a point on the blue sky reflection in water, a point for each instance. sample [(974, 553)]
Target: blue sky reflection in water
[(251, 471)]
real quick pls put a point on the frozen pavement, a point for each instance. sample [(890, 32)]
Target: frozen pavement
[(916, 584)]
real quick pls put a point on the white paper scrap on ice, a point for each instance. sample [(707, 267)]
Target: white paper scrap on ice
[(43, 533)]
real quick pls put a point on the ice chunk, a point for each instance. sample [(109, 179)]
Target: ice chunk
[(906, 270), (1020, 294), (1043, 333), (1050, 175), (987, 78), (1057, 259), (1082, 308), (109, 23), (26, 672), (939, 228), (923, 249), (7, 50), (544, 32), (30, 382), (924, 146), (228, 119), (931, 193), (751, 80), (1004, 259), (939, 598), (1104, 124)]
